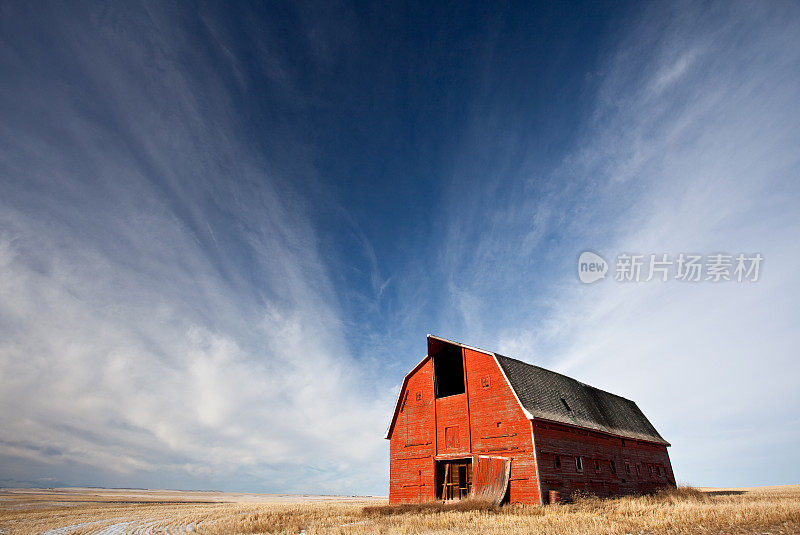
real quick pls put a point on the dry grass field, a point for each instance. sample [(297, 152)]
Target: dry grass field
[(765, 510)]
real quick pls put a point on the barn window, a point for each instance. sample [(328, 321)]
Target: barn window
[(566, 405), (485, 382), (579, 464), (628, 468), (448, 368), (658, 470), (558, 461), (419, 396), (596, 465), (613, 466)]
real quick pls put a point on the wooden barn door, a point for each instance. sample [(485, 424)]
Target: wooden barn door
[(492, 475)]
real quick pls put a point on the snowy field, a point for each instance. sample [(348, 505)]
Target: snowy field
[(123, 511), (682, 511)]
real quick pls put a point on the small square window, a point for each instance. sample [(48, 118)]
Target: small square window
[(419, 396), (579, 464), (497, 424), (485, 382)]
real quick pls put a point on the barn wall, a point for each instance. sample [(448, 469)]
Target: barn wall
[(498, 425), (556, 439), (413, 441), (452, 425), (485, 420)]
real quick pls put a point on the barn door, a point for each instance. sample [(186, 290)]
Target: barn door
[(454, 479), (491, 479)]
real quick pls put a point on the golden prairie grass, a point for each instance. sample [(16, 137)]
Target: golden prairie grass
[(773, 510)]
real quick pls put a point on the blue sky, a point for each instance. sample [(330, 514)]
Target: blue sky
[(226, 229)]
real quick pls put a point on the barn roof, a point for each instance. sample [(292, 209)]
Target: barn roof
[(551, 396)]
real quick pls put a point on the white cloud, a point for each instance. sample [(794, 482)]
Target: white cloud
[(710, 167), (164, 313), (692, 148)]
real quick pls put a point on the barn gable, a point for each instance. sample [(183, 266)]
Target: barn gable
[(398, 403), (435, 345)]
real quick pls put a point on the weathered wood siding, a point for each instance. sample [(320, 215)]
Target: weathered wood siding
[(598, 451), (499, 426), (412, 443), (485, 419)]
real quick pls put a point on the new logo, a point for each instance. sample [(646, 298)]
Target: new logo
[(591, 267)]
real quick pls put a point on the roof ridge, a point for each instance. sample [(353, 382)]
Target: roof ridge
[(587, 385)]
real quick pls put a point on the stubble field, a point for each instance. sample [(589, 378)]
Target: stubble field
[(765, 510)]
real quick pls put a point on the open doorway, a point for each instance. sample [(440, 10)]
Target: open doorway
[(453, 479), (448, 369)]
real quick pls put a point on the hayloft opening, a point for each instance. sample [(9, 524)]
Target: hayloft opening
[(448, 369)]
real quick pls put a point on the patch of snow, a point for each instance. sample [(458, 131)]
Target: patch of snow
[(115, 529), (66, 529)]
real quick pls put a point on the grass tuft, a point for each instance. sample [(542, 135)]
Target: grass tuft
[(431, 508)]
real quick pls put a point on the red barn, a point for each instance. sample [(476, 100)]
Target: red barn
[(470, 422)]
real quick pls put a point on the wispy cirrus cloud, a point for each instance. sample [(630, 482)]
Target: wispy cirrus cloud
[(166, 317), (186, 301), (690, 147)]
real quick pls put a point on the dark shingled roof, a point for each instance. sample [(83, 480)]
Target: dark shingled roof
[(541, 392)]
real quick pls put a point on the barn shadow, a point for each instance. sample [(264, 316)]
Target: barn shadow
[(726, 492)]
